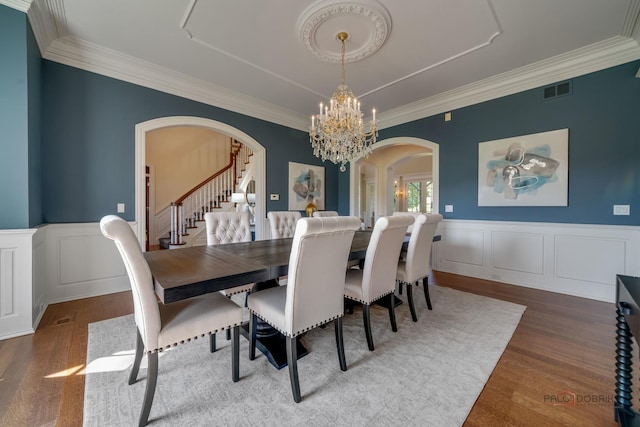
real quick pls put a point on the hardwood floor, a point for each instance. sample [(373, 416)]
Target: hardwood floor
[(564, 347)]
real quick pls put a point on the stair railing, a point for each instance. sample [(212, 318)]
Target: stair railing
[(207, 195)]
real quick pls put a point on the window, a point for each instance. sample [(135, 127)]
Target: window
[(419, 195)]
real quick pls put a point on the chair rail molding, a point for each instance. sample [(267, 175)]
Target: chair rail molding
[(573, 259)]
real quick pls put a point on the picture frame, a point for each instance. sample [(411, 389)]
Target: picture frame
[(306, 184), (527, 170)]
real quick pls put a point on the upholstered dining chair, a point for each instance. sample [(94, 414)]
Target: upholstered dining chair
[(323, 214), (415, 265), (313, 295), (377, 278), (161, 326), (283, 223), (228, 227), (412, 214)]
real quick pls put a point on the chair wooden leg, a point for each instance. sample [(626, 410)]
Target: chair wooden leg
[(235, 354), (412, 307), (228, 334), (152, 378), (212, 343), (392, 312), (253, 328), (367, 325), (348, 305), (340, 343), (425, 285), (137, 359), (292, 361)]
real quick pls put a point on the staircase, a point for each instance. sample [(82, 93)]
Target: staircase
[(214, 193)]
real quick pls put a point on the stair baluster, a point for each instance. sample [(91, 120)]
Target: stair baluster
[(207, 195)]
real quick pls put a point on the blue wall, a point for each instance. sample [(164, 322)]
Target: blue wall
[(70, 137), (89, 143), (602, 115), (14, 190), (34, 126)]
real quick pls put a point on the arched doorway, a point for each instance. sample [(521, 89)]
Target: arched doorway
[(387, 181), (259, 157)]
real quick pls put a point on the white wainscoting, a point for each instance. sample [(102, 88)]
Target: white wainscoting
[(82, 263), (39, 271), (573, 259), (62, 262), (16, 290)]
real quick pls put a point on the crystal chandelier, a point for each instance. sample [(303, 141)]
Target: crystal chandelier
[(337, 132)]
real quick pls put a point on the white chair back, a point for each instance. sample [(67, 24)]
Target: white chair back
[(419, 248), (317, 268), (324, 214), (145, 307), (283, 223), (383, 252), (413, 214), (227, 227)]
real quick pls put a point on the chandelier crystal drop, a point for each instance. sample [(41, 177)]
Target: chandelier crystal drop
[(337, 131)]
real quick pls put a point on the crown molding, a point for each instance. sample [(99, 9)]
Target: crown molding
[(97, 59), (21, 5), (598, 56), (90, 57), (48, 21), (631, 25)]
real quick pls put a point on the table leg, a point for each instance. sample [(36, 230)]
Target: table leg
[(268, 340), (622, 407)]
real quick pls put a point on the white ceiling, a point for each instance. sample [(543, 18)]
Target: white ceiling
[(272, 58)]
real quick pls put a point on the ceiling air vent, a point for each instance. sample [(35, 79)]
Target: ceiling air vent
[(559, 89)]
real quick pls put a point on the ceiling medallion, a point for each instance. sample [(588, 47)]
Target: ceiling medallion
[(367, 19)]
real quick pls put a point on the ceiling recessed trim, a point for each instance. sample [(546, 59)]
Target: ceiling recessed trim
[(369, 18)]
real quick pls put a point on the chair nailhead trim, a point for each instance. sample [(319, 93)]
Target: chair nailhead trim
[(295, 334), (215, 331)]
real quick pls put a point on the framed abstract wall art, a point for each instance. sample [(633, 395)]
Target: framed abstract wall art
[(528, 170), (306, 184)]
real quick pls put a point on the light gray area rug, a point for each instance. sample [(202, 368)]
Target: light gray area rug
[(429, 373)]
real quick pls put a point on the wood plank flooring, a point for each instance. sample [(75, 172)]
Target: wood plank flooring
[(564, 348)]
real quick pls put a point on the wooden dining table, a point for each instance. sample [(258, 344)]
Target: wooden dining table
[(198, 270)]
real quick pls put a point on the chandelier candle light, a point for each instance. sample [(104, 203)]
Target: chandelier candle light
[(337, 132)]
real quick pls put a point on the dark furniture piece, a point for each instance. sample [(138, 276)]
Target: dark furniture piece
[(627, 326), (188, 272)]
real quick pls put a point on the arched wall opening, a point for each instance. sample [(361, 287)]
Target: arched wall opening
[(259, 157)]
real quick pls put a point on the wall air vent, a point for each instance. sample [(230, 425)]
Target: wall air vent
[(558, 89)]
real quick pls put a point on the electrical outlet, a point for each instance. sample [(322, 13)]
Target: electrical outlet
[(448, 208), (621, 210), (275, 197), (120, 207)]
